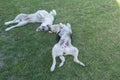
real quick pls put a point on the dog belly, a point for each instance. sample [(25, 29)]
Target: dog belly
[(32, 18), (57, 50)]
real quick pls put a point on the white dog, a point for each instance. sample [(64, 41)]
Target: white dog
[(41, 16), (64, 47)]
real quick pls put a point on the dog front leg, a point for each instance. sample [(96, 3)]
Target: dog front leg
[(54, 63), (19, 24)]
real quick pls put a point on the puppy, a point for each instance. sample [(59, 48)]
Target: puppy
[(41, 16), (64, 47)]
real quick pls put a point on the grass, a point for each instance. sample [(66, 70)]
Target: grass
[(26, 54)]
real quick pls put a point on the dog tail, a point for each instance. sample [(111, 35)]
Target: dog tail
[(53, 12)]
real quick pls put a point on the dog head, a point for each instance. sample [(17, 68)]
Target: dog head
[(43, 27), (65, 29)]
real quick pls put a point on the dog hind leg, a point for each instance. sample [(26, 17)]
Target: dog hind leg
[(11, 22), (19, 24), (54, 63), (62, 58), (77, 61), (17, 19), (75, 55)]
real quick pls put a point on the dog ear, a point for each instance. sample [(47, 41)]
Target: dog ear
[(68, 24), (61, 25), (70, 30)]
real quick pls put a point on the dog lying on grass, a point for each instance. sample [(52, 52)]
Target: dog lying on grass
[(64, 47), (41, 16)]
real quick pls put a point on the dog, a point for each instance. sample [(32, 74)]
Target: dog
[(64, 47), (41, 16)]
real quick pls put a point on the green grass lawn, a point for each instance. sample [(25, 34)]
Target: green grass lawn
[(26, 54)]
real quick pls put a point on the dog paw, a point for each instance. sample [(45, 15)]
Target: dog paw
[(36, 30), (82, 64), (7, 29), (6, 23), (61, 64), (52, 69), (50, 32)]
